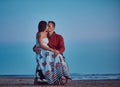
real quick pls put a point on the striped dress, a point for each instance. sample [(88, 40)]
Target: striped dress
[(52, 67)]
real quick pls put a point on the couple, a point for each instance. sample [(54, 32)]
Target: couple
[(49, 49)]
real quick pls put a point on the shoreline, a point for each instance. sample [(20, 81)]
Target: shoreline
[(28, 82), (74, 76)]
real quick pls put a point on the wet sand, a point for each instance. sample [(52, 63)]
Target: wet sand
[(28, 82)]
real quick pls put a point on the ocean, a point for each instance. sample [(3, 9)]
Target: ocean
[(74, 76)]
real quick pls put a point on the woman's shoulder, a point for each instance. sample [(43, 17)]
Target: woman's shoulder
[(39, 34)]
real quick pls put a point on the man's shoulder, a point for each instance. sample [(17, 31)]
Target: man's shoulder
[(58, 35)]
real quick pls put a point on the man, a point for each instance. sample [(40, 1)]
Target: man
[(56, 42)]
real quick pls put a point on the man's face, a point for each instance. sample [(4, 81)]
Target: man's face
[(50, 27)]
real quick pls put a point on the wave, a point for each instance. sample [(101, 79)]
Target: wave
[(76, 76)]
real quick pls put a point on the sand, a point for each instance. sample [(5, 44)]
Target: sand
[(28, 82)]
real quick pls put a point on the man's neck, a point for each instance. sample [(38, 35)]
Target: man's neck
[(50, 33)]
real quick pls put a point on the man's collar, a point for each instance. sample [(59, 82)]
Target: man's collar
[(52, 34)]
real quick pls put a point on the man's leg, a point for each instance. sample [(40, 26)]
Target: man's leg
[(41, 75), (66, 69)]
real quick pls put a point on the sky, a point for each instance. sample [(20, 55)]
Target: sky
[(91, 31)]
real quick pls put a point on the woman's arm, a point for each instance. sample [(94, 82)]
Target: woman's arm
[(40, 40)]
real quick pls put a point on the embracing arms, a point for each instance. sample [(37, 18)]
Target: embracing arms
[(41, 43)]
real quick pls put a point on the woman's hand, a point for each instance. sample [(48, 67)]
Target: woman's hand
[(56, 52)]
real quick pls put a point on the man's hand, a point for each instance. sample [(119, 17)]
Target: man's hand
[(35, 49)]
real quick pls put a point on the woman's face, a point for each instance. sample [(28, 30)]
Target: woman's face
[(46, 28)]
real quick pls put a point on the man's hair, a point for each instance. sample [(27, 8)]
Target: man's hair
[(52, 23), (42, 26)]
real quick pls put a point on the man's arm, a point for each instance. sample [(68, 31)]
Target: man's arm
[(35, 49), (61, 45)]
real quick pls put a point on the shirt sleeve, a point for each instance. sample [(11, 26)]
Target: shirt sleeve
[(61, 44)]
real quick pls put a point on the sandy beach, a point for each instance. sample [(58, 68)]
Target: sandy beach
[(28, 82)]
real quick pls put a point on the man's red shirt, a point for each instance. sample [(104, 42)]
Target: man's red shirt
[(56, 41)]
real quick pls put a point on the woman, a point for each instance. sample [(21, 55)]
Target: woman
[(51, 66)]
